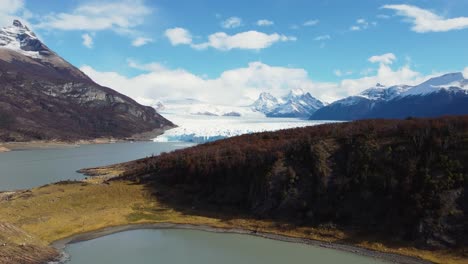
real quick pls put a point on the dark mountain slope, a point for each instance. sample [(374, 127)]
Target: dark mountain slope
[(44, 97)]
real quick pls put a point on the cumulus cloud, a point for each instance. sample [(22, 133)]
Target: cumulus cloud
[(232, 22), (252, 40), (241, 86), (465, 73), (264, 22), (310, 23), (178, 36), (237, 86), (120, 16), (387, 58), (87, 40), (9, 10), (141, 41), (426, 21)]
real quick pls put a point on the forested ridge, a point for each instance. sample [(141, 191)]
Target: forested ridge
[(403, 179)]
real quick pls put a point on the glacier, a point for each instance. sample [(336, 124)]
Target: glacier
[(202, 129)]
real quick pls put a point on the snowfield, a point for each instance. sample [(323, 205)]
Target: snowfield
[(201, 129)]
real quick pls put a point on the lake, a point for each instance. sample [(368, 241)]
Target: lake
[(31, 168), (173, 246)]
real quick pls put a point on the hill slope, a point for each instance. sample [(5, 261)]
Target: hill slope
[(44, 97), (405, 180)]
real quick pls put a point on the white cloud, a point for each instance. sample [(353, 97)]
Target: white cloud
[(427, 21), (87, 40), (387, 58), (465, 73), (241, 86), (237, 86), (340, 73), (310, 23), (252, 40), (264, 22), (382, 16), (178, 36), (362, 24), (141, 41), (9, 10), (121, 16), (232, 22), (322, 37)]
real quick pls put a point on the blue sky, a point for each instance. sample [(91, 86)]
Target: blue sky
[(170, 48)]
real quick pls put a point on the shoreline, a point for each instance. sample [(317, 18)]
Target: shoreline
[(386, 257), (148, 136)]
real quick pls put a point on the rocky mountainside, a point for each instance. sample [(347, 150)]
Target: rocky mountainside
[(43, 97), (443, 95), (297, 103)]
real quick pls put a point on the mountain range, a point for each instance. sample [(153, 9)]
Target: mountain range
[(43, 97), (438, 96), (297, 103)]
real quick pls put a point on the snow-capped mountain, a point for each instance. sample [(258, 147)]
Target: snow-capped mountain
[(23, 51), (22, 40), (451, 81), (42, 96), (265, 103), (297, 103), (443, 95)]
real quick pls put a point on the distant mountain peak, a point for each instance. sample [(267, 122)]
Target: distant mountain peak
[(296, 92), (442, 95), (265, 102), (297, 103), (18, 23), (21, 39), (443, 82)]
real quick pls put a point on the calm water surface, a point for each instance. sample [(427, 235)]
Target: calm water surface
[(32, 168), (197, 247)]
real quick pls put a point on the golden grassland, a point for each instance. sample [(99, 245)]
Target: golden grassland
[(57, 211)]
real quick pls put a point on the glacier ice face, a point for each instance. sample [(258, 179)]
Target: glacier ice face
[(201, 129)]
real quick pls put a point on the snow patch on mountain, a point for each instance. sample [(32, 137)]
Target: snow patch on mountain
[(20, 39), (265, 103), (297, 103), (450, 81)]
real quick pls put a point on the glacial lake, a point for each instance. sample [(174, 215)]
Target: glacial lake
[(173, 246), (31, 168)]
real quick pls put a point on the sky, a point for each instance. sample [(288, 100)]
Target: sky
[(228, 52)]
